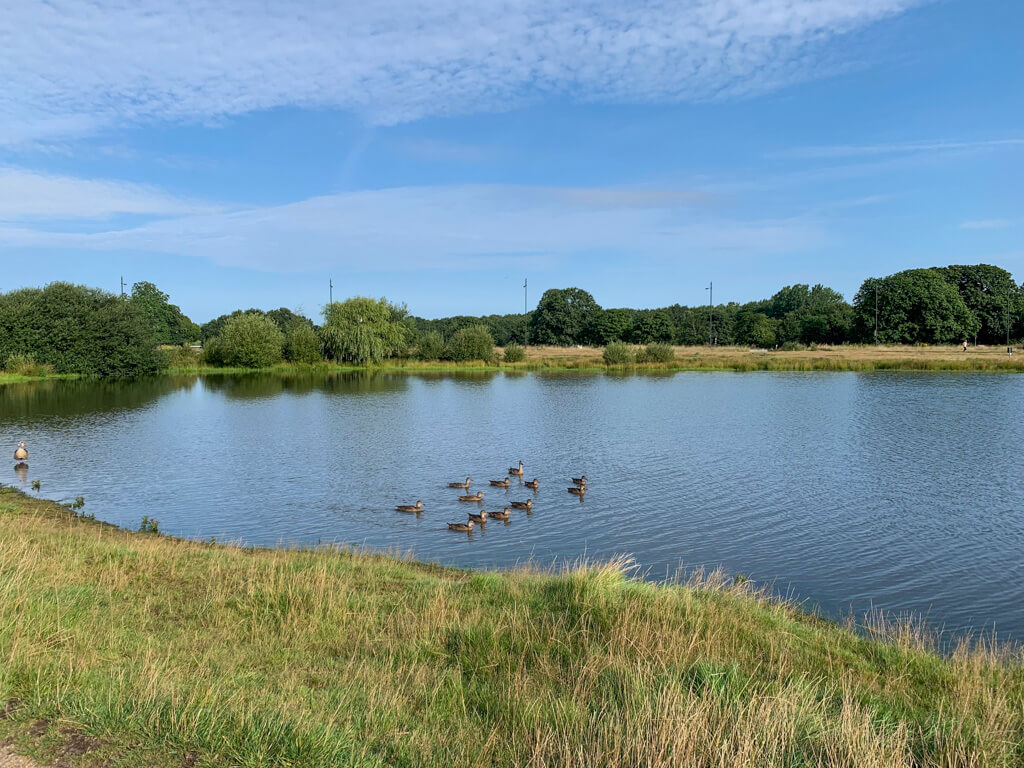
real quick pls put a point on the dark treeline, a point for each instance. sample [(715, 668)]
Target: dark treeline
[(941, 305), (74, 329)]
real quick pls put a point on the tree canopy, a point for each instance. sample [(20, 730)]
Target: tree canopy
[(563, 316), (917, 306), (363, 330), (166, 321)]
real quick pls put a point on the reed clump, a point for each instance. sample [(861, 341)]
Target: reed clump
[(169, 652)]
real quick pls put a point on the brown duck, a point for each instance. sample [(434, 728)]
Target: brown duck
[(417, 507), (478, 496), (461, 485), (532, 484), (480, 517), (578, 491), (500, 483), (461, 526), (20, 453), (580, 481), (500, 515), (527, 505), (517, 470)]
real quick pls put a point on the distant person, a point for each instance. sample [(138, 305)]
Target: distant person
[(965, 345)]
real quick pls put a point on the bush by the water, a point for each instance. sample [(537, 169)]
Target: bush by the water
[(25, 365), (473, 343), (363, 330), (302, 344), (77, 329), (182, 356), (514, 353), (430, 346), (249, 341), (619, 353), (656, 353)]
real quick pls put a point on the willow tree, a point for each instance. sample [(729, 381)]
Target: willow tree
[(363, 330)]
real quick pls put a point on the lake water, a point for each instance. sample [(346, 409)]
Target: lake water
[(901, 492)]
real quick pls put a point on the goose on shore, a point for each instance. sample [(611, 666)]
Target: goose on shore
[(518, 471), (500, 483), (461, 485), (417, 507), (20, 453), (532, 484), (478, 496), (461, 526), (527, 505)]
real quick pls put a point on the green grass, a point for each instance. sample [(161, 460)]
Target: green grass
[(145, 650)]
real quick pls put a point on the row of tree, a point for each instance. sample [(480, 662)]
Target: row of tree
[(75, 329)]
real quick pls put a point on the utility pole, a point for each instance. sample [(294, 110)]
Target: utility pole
[(711, 312), (526, 315), (330, 284), (1008, 350), (876, 314), (122, 286)]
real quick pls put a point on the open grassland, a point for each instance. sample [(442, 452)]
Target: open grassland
[(129, 649)]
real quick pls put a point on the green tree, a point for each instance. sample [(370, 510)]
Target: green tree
[(817, 315), (915, 306), (563, 317), (652, 325), (755, 329), (430, 346), (608, 325), (301, 342), (166, 321), (77, 330), (251, 341), (992, 295), (473, 343), (361, 330)]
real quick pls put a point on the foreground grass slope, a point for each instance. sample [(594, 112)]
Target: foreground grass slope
[(154, 651)]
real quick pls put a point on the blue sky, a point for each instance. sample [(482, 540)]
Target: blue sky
[(439, 152)]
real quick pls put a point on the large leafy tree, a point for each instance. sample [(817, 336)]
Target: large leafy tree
[(363, 330), (563, 316), (810, 315), (166, 321), (608, 325), (992, 295), (77, 330), (915, 306), (652, 325), (754, 328)]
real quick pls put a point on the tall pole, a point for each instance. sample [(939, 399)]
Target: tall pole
[(711, 312), (526, 315), (330, 284), (1007, 321), (122, 286), (876, 314)]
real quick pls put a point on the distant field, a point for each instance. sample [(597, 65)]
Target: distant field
[(846, 357)]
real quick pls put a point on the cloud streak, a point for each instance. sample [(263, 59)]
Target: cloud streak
[(897, 148), (71, 67), (451, 227)]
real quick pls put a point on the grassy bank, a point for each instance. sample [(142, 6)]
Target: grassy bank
[(145, 650)]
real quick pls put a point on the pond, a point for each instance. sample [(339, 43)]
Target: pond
[(900, 492)]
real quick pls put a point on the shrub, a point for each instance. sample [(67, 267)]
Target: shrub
[(251, 341), (430, 347), (473, 343), (656, 353), (25, 365), (301, 344), (619, 353), (793, 346), (514, 353), (180, 357)]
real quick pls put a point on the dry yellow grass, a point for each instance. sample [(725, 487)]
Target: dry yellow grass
[(157, 651)]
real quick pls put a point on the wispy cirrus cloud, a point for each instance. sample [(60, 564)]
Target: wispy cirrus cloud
[(447, 227), (895, 148), (32, 195), (70, 67), (990, 223)]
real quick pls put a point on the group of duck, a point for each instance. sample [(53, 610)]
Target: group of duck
[(578, 488)]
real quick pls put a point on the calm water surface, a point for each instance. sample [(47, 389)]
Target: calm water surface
[(899, 491)]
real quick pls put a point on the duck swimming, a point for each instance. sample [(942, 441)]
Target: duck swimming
[(461, 485), (417, 507), (527, 505), (517, 470), (581, 481), (478, 496), (480, 517), (500, 483), (578, 491), (499, 515), (532, 484), (20, 453), (461, 526)]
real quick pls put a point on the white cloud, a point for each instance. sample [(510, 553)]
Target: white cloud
[(450, 227), (28, 194), (896, 148), (989, 224), (69, 66)]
